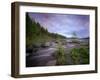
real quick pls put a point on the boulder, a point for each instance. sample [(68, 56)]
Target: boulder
[(46, 44)]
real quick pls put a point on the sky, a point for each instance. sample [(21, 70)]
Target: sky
[(63, 24)]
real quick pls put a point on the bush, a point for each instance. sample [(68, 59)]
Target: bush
[(84, 55), (60, 56), (75, 55), (80, 55)]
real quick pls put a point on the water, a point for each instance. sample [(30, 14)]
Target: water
[(70, 45)]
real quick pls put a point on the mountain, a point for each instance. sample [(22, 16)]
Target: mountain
[(36, 34)]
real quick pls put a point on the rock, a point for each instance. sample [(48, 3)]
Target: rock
[(29, 50), (36, 45), (35, 50), (53, 44), (51, 63), (44, 45)]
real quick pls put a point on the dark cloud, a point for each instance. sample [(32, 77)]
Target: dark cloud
[(64, 24)]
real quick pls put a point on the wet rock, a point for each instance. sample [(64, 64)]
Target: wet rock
[(44, 45), (36, 45), (29, 50)]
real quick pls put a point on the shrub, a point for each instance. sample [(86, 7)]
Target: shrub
[(60, 55), (80, 55), (84, 55), (75, 55)]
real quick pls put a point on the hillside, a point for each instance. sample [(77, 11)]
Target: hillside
[(36, 34)]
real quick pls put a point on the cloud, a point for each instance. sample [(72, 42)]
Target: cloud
[(64, 24)]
